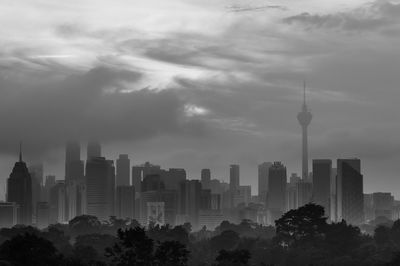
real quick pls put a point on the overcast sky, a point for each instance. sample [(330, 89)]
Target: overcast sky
[(202, 83)]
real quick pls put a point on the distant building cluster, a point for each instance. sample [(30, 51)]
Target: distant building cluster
[(150, 194)]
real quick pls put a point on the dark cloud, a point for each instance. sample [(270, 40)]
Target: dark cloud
[(92, 105), (372, 16), (252, 8)]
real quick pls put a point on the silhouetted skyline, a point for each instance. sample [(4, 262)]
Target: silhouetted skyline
[(211, 85)]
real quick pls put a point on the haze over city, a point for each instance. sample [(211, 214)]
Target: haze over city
[(202, 84)]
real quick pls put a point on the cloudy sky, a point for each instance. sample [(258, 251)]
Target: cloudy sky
[(202, 83)]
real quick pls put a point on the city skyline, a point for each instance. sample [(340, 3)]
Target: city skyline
[(228, 95)]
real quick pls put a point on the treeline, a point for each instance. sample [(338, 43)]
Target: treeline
[(300, 237)]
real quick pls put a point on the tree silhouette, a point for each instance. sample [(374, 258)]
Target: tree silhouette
[(233, 258), (133, 248), (29, 249), (305, 224), (226, 240), (342, 238), (171, 253), (84, 224)]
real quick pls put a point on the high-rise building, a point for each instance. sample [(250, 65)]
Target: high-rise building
[(48, 184), (263, 171), (277, 180), (141, 171), (125, 202), (173, 177), (205, 199), (19, 190), (215, 201), (303, 193), (73, 165), (369, 213), (234, 177), (189, 201), (93, 149), (242, 195), (152, 183), (169, 200), (123, 170), (304, 117), (350, 197), (382, 204), (76, 198), (36, 172), (333, 197), (210, 218), (58, 203), (100, 186), (8, 214), (42, 215), (322, 171), (206, 178)]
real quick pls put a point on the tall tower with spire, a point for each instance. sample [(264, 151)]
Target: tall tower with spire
[(304, 118), (19, 190)]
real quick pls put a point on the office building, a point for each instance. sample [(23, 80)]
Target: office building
[(42, 215), (74, 166), (206, 178), (205, 199), (8, 214), (125, 202), (189, 201), (242, 195), (350, 197), (263, 171), (173, 177), (382, 204), (322, 172), (234, 177), (58, 203), (100, 187), (276, 190), (141, 171), (93, 149), (123, 170), (210, 219), (19, 190), (303, 193)]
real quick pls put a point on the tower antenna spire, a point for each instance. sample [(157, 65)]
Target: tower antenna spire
[(304, 93), (20, 151)]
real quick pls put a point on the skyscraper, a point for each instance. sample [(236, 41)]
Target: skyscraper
[(36, 172), (234, 177), (263, 171), (304, 118), (277, 189), (206, 178), (19, 190), (350, 197), (100, 185), (58, 203), (303, 193), (190, 200), (125, 202), (8, 214), (173, 177), (93, 149), (123, 170), (322, 171), (72, 157)]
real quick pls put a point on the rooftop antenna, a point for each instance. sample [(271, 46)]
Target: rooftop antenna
[(20, 151)]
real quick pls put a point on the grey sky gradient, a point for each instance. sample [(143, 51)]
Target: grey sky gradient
[(203, 84)]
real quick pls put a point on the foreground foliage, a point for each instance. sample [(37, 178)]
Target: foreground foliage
[(300, 237)]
